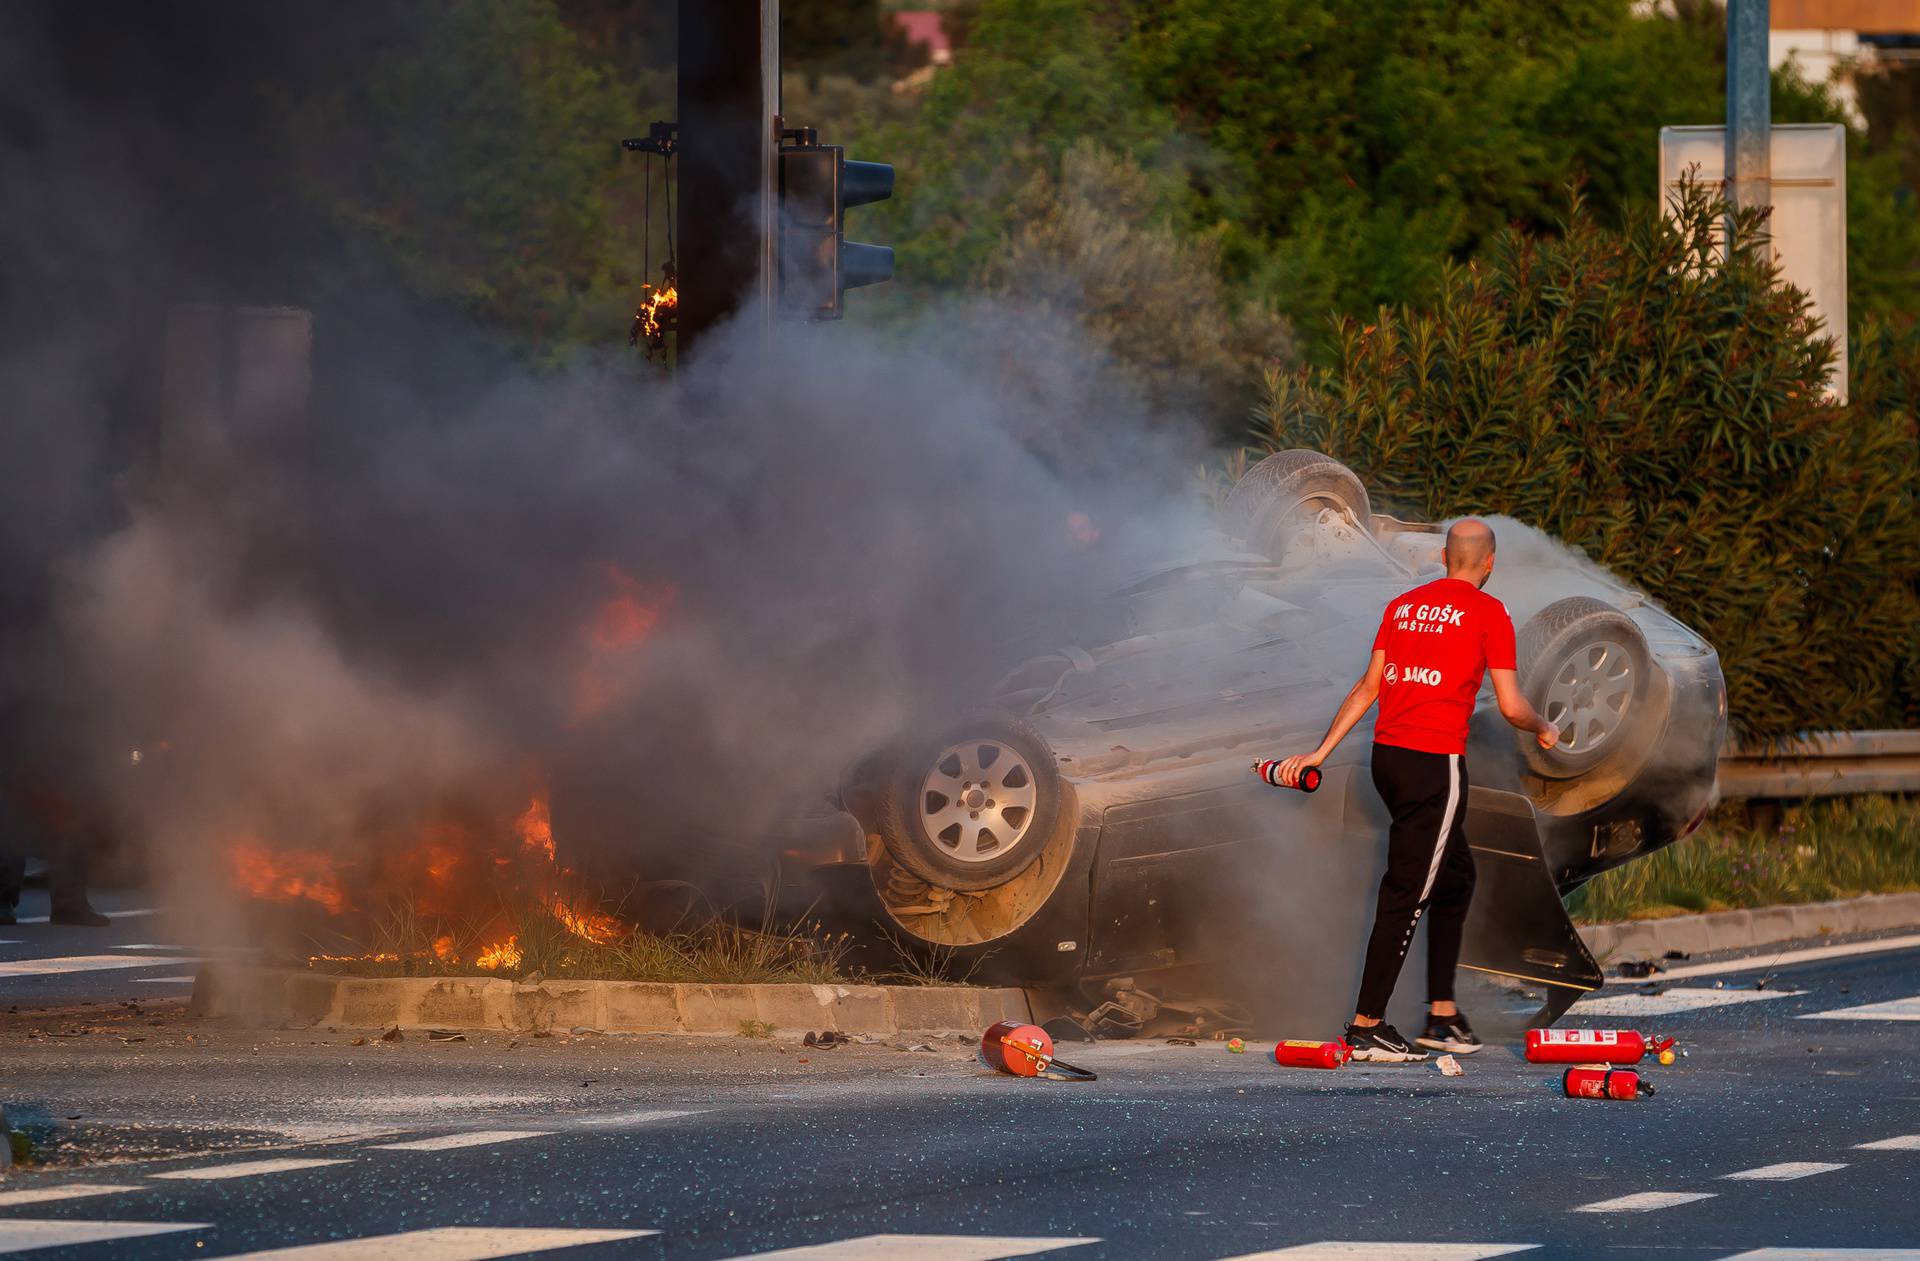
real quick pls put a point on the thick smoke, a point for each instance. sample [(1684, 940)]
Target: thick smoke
[(422, 582)]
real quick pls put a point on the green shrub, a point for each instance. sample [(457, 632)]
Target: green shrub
[(1837, 848), (1659, 407)]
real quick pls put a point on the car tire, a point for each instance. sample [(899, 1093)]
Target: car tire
[(1263, 507), (1585, 666), (971, 806)]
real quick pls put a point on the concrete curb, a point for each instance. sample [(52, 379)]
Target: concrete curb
[(1762, 926), (270, 997)]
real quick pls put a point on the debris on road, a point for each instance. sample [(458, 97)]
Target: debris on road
[(1181, 1042), (393, 1035), (1237, 1046), (445, 1035), (1639, 967), (829, 1038), (1449, 1067)]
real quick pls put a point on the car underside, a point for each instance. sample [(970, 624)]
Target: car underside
[(1094, 817)]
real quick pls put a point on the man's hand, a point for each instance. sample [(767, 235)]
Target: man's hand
[(1548, 736), (1288, 772)]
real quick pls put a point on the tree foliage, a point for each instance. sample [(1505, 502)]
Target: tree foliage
[(1661, 408)]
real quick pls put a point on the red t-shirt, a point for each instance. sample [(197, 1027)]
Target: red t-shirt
[(1440, 640)]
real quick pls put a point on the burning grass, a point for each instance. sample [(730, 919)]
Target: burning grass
[(1837, 848), (545, 938)]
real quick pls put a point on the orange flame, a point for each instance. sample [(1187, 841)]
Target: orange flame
[(502, 954), (595, 926), (285, 875), (649, 318), (620, 625), (535, 828)]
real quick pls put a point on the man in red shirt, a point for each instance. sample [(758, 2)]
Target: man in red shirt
[(1435, 645)]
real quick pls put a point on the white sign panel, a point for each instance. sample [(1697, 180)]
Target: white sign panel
[(1809, 223)]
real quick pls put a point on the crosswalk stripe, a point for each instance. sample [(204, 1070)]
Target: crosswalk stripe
[(85, 963), (919, 1247), (135, 913), (1786, 1171), (1901, 1143), (25, 1234), (641, 1118), (1897, 1009), (1362, 1250), (444, 1243), (244, 1169), (1826, 1254), (71, 1191), (1787, 958), (447, 1142), (1644, 1201), (164, 980), (1678, 999)]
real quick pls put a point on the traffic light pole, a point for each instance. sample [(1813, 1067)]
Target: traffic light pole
[(1749, 109), (729, 105)]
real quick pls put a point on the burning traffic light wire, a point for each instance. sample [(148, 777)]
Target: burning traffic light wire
[(655, 314)]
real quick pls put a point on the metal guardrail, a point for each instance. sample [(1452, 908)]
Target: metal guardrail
[(1829, 764)]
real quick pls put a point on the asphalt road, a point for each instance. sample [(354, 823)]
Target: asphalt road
[(168, 1137)]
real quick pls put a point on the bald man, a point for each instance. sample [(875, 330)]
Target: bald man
[(1435, 645)]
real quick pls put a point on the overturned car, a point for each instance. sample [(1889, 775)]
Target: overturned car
[(1095, 817)]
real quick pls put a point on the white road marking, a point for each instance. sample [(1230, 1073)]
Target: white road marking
[(71, 1191), (447, 1142), (444, 1243), (9, 942), (919, 1247), (1644, 1201), (164, 980), (1674, 1000), (1781, 959), (1901, 1143), (136, 913), (245, 1169), (640, 1118), (85, 963), (1826, 1254), (25, 1234), (1897, 1009), (1353, 1250), (1786, 1171)]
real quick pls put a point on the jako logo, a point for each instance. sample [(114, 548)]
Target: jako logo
[(1414, 674), (1393, 673)]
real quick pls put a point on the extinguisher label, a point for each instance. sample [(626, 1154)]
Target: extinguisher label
[(1314, 1045), (1580, 1037)]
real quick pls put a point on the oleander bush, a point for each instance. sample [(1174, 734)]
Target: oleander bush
[(1657, 402)]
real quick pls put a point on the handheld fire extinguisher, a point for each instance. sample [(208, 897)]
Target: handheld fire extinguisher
[(1269, 771), (1585, 1046), (1597, 1081), (1312, 1054)]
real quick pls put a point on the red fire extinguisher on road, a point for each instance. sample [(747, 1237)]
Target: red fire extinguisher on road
[(1585, 1046), (1269, 771), (1596, 1081), (1312, 1054)]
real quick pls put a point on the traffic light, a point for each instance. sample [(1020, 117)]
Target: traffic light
[(817, 263)]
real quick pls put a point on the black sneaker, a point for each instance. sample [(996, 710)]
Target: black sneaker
[(1381, 1044), (1450, 1033)]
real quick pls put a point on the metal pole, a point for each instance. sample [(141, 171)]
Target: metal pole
[(729, 98), (1749, 105)]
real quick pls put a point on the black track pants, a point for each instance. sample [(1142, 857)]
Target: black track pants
[(1428, 865)]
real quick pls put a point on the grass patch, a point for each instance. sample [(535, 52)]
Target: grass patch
[(547, 939), (1833, 848)]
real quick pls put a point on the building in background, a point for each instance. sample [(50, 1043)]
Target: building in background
[(1833, 41)]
